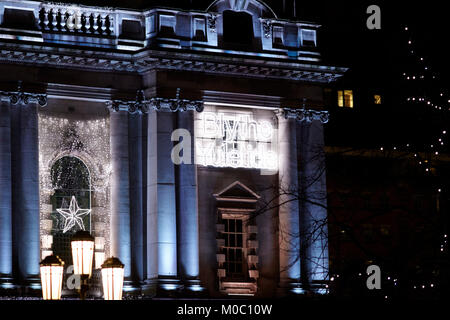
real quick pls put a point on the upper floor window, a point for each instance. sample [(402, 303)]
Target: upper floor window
[(385, 230), (377, 99), (132, 29), (308, 37), (278, 35), (167, 24), (345, 98), (19, 19), (237, 28), (200, 29)]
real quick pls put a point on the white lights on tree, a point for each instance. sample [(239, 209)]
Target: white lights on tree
[(52, 269), (73, 215), (236, 141), (112, 279)]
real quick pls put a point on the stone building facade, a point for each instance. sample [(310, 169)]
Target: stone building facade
[(92, 103)]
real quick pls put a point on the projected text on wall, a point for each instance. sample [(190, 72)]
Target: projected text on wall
[(235, 140)]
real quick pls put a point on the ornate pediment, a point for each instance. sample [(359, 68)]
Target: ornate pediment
[(237, 192)]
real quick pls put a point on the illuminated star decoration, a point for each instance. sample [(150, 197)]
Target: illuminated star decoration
[(73, 215)]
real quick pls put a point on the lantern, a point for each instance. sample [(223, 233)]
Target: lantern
[(112, 278), (52, 269), (82, 253)]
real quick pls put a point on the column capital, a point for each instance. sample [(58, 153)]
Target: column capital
[(301, 115), (22, 97), (143, 105)]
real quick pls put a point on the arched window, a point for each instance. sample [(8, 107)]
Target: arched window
[(71, 204), (237, 28)]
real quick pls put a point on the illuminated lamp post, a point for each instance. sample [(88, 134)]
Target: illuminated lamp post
[(82, 255), (112, 278), (52, 269)]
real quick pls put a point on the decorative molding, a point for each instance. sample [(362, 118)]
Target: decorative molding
[(142, 104), (79, 93), (254, 69), (21, 97), (238, 184), (74, 59), (305, 115), (238, 288), (212, 19), (152, 60), (267, 28)]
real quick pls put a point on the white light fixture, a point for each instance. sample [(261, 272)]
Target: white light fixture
[(112, 278), (82, 253), (52, 269)]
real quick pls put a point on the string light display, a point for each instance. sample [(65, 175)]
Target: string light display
[(441, 103), (425, 156)]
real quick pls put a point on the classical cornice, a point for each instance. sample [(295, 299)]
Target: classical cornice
[(240, 67), (67, 58), (149, 60)]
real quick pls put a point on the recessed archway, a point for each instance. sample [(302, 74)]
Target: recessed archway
[(71, 181)]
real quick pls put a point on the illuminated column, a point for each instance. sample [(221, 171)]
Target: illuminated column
[(136, 197), (152, 197), (25, 195), (120, 190), (5, 193), (313, 218), (188, 211), (289, 242), (161, 208)]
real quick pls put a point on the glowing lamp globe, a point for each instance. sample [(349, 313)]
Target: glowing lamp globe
[(52, 269), (112, 278), (82, 253)]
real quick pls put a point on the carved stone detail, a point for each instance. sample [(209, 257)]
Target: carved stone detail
[(306, 115), (212, 18), (21, 97), (142, 104), (149, 62), (267, 28)]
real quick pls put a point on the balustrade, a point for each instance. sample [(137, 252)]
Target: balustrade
[(79, 20)]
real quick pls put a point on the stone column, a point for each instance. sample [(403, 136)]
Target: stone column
[(136, 198), (120, 190), (289, 241), (5, 194), (161, 210), (152, 197), (25, 195), (188, 246), (313, 217)]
